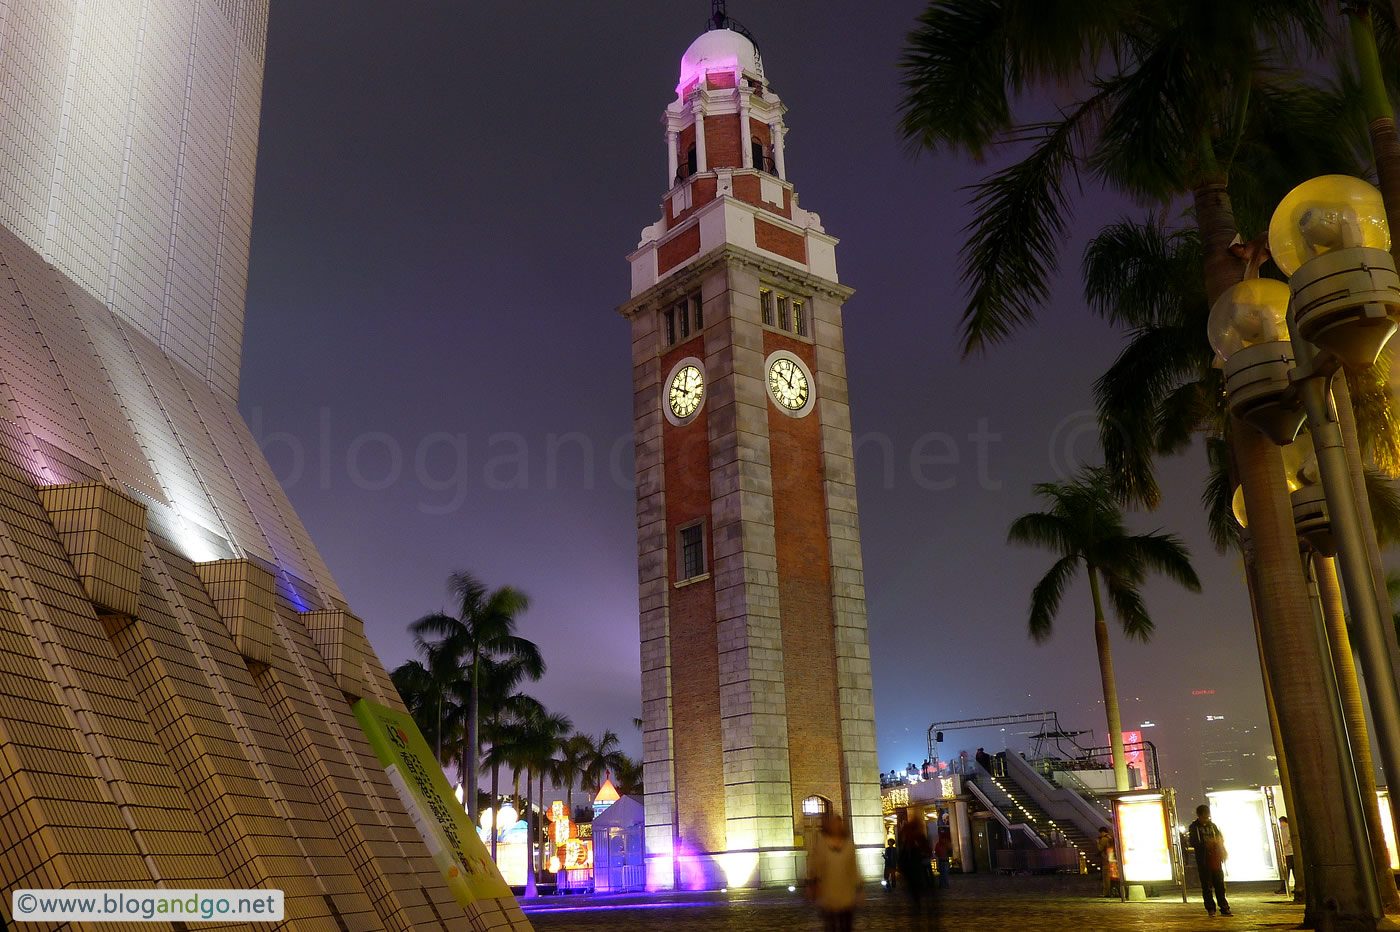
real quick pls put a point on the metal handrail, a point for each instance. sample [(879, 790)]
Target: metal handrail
[(1097, 756), (1002, 817)]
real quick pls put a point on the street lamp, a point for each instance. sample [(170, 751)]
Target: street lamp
[(1330, 236), (1248, 327)]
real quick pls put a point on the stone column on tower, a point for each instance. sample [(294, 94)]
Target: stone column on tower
[(757, 700)]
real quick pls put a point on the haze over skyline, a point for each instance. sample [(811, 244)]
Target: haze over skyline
[(444, 200)]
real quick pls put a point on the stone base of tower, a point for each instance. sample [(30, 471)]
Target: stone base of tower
[(702, 870)]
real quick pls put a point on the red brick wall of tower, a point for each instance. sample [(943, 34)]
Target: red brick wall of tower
[(723, 147), (804, 596), (699, 761)]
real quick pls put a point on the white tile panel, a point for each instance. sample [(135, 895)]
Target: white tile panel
[(122, 122)]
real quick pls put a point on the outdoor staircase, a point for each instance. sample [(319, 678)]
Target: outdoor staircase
[(1022, 808)]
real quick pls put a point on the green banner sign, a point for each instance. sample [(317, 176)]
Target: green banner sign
[(451, 838)]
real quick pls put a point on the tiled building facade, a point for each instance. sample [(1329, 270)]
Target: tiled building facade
[(756, 687), (176, 663)]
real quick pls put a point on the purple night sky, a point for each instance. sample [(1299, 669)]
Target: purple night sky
[(435, 368)]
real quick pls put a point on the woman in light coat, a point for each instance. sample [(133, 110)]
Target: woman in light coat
[(833, 876)]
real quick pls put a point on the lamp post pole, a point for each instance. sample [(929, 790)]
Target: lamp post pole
[(1352, 551)]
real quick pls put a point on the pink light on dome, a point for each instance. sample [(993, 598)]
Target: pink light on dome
[(718, 50)]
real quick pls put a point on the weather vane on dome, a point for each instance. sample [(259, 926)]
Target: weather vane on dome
[(720, 19)]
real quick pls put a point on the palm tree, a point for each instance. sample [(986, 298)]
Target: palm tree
[(500, 704), (1084, 525), (502, 734), (535, 738), (484, 627), (600, 757), (1168, 90), (429, 691), (569, 766), (629, 777)]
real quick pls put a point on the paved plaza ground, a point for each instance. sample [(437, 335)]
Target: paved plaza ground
[(973, 904)]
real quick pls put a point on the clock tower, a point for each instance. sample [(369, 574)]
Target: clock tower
[(756, 687)]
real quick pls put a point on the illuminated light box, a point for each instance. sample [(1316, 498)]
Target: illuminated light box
[(1388, 828), (1243, 819), (1144, 841)]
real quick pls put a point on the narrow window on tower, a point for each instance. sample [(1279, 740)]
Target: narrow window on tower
[(799, 318), (692, 162), (683, 313), (765, 303), (691, 546), (699, 313), (757, 149), (670, 326), (783, 312)]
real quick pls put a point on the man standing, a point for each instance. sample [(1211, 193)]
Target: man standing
[(1209, 846), (1285, 837)]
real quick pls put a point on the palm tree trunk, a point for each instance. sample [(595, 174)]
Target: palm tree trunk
[(473, 745), (1110, 687), (544, 831), (1299, 675), (1291, 646), (1329, 595), (1385, 142), (529, 840), (495, 799), (1285, 778)]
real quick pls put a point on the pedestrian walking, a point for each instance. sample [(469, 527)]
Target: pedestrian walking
[(891, 863), (833, 876), (1209, 845), (916, 867), (1285, 837)]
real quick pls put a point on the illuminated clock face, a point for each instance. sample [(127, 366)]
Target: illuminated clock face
[(687, 388), (788, 383)]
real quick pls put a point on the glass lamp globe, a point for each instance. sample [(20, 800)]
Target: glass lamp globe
[(1300, 462), (1249, 313), (1237, 506), (1326, 213)]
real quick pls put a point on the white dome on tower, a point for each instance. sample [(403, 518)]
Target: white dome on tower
[(720, 50)]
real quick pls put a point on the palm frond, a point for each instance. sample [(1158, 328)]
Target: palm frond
[(965, 59), (1160, 111), (954, 70), (1218, 497), (1039, 529), (1165, 554), (1129, 608), (1385, 506), (1136, 274), (1377, 426), (1016, 233), (1128, 397), (1187, 410), (1298, 129), (1046, 596)]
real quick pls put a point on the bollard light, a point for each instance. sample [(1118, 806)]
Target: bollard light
[(1248, 328), (1330, 236)]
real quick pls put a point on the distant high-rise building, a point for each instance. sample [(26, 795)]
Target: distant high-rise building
[(1230, 753), (756, 688), (177, 665)]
